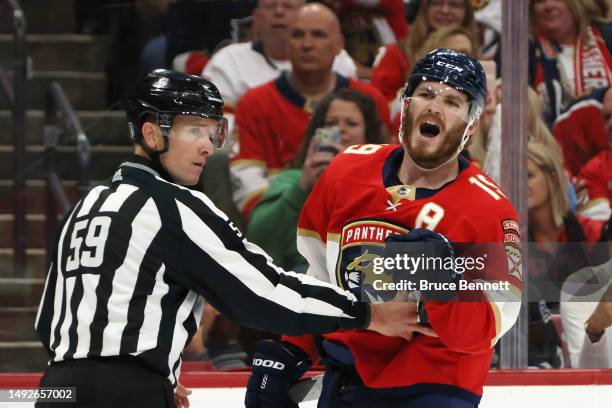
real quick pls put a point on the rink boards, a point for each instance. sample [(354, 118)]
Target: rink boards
[(504, 389)]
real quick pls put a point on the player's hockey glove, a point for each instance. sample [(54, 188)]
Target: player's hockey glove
[(276, 368), (437, 256)]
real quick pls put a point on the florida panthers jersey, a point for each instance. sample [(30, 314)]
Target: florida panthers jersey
[(597, 174), (359, 200)]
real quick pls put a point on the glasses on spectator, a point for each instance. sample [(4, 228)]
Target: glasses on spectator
[(273, 5), (453, 4)]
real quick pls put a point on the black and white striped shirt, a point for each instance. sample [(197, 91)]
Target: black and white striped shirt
[(133, 260)]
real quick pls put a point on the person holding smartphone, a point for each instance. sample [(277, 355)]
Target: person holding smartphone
[(344, 118)]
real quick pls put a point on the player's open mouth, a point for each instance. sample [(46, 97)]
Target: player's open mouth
[(429, 129), (199, 164)]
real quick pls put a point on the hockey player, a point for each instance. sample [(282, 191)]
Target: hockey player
[(417, 192)]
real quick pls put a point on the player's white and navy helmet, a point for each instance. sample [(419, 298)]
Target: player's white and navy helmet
[(164, 94), (460, 71)]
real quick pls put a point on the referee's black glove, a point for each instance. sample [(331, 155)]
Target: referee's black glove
[(276, 368)]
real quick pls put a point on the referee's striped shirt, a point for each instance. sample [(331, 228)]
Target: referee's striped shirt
[(133, 260)]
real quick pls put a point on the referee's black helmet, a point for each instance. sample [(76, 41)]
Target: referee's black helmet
[(163, 94)]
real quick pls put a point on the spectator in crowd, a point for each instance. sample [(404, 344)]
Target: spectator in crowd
[(192, 25), (271, 119), (551, 224), (131, 25), (554, 230), (550, 221), (393, 62), (567, 39), (586, 311), (597, 173), (580, 130), (538, 132), (239, 67), (367, 25), (456, 38), (273, 222), (488, 15)]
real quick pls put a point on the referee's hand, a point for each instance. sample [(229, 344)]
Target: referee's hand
[(180, 396), (397, 319)]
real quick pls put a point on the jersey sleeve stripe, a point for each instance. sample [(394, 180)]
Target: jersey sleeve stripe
[(253, 274)]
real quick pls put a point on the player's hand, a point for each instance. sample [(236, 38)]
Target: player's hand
[(314, 165), (275, 369), (433, 246), (181, 394), (397, 319)]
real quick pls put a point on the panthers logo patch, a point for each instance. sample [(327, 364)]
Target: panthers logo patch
[(360, 243)]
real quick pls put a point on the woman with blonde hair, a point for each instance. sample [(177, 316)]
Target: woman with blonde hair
[(392, 65), (570, 54), (538, 131), (554, 254), (546, 198), (456, 38), (436, 14)]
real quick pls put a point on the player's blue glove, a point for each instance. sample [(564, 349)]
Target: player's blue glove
[(439, 253), (276, 367)]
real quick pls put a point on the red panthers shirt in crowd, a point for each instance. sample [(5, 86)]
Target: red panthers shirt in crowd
[(358, 202), (581, 131), (391, 10), (271, 120), (597, 174), (390, 70)]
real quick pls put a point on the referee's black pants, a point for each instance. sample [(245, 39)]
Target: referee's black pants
[(114, 382)]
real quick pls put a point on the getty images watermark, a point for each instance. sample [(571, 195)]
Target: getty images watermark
[(455, 267), (465, 272)]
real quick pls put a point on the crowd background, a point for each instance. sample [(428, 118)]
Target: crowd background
[(295, 78)]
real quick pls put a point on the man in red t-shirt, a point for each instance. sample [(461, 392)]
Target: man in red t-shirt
[(271, 119)]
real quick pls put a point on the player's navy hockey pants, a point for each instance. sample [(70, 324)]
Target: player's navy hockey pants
[(342, 388)]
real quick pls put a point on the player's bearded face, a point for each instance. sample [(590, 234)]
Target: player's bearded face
[(434, 120)]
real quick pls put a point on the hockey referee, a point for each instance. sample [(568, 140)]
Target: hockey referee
[(135, 258)]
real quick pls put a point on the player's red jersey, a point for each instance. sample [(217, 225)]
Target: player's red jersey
[(271, 120), (359, 200), (598, 176)]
